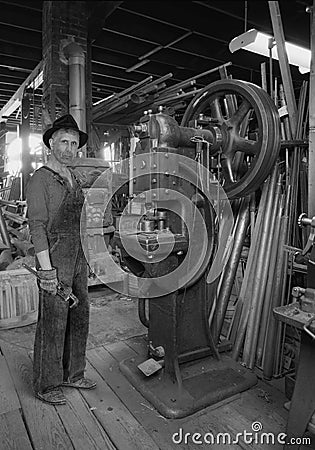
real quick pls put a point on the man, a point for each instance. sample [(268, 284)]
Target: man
[(55, 200)]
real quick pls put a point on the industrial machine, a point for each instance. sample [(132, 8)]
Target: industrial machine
[(171, 236), (301, 314)]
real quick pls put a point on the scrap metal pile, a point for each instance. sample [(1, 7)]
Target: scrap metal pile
[(15, 245), (262, 261)]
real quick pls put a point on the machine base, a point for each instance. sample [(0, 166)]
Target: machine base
[(204, 383)]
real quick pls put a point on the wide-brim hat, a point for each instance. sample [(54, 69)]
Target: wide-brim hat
[(65, 122)]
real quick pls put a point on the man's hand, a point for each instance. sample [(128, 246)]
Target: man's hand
[(48, 280)]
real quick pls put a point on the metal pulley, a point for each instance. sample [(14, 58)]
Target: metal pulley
[(248, 123)]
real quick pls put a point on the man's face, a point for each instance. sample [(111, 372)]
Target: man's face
[(64, 145)]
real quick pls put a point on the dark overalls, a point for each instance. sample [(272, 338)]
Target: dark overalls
[(61, 334)]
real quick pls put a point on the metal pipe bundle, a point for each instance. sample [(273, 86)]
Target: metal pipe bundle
[(261, 273), (128, 106), (266, 315), (249, 276), (230, 270), (280, 273)]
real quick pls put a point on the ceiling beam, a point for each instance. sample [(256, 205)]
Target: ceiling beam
[(173, 25), (100, 11), (223, 11), (11, 80), (161, 46), (14, 67), (99, 88), (99, 77), (16, 99), (21, 52), (31, 21), (25, 5), (28, 37), (5, 72)]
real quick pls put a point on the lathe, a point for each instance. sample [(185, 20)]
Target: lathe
[(173, 236)]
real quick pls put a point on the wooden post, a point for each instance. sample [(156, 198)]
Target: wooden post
[(25, 131), (311, 162), (284, 65), (3, 130)]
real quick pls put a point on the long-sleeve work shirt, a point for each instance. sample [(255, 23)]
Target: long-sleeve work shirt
[(45, 192)]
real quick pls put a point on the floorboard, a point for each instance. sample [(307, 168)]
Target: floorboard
[(44, 425), (108, 365), (80, 424), (115, 416), (13, 434), (9, 400), (139, 344), (120, 424)]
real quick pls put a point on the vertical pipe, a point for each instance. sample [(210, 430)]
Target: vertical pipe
[(142, 312), (252, 209), (270, 45), (284, 298), (231, 268), (263, 76), (283, 63), (76, 60), (133, 143), (262, 292), (246, 289), (260, 278), (273, 326), (265, 317), (276, 92), (25, 131)]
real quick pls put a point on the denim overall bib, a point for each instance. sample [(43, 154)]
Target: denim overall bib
[(61, 334)]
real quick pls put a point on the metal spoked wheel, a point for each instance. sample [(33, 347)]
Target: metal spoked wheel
[(249, 125)]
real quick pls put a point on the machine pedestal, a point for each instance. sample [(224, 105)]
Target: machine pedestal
[(204, 383), (303, 400)]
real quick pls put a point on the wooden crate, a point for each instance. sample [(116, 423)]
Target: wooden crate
[(18, 298)]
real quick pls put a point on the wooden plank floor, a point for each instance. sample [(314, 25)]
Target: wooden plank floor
[(115, 415)]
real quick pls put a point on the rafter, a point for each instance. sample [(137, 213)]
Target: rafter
[(15, 100)]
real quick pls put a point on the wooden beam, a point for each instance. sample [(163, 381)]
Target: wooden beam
[(17, 64), (20, 51), (16, 99), (100, 12)]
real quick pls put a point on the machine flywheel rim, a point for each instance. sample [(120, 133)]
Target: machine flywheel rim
[(269, 129)]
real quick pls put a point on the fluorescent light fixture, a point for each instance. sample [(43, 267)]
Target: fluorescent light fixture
[(136, 66), (257, 42)]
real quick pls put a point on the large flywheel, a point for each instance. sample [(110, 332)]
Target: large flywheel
[(249, 124)]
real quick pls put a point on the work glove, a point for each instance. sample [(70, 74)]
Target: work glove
[(48, 280)]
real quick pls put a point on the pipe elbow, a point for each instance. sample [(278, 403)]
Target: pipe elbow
[(73, 50)]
